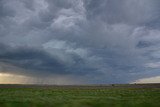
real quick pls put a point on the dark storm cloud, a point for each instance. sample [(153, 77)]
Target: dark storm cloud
[(101, 40), (31, 59), (40, 62)]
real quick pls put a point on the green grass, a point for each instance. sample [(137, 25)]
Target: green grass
[(79, 97)]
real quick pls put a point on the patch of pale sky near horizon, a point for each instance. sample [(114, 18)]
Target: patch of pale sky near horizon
[(155, 79), (6, 78)]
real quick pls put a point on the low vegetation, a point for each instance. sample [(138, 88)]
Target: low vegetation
[(79, 96)]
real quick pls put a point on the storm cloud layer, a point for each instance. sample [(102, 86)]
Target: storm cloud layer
[(99, 41)]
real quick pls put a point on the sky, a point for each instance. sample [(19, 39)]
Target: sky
[(79, 41)]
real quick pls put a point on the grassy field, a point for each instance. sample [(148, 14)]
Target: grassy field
[(80, 96)]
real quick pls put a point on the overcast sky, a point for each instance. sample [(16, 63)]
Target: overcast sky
[(82, 41)]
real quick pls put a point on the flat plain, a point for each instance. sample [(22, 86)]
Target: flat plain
[(115, 95)]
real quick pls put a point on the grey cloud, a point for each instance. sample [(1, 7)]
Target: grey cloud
[(101, 40), (29, 4), (124, 11), (4, 10)]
